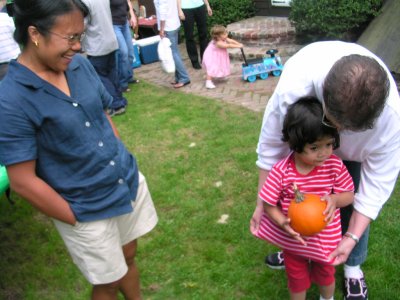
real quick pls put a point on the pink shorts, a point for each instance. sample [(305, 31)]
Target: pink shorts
[(301, 272)]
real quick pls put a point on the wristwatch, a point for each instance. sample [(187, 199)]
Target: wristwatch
[(352, 236)]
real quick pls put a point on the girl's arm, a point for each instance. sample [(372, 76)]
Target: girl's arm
[(233, 42), (276, 215), (228, 44), (336, 201)]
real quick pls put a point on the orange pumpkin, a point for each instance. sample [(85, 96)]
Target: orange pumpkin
[(306, 213)]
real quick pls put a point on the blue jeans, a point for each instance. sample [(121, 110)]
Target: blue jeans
[(360, 251), (125, 54), (181, 74), (105, 67)]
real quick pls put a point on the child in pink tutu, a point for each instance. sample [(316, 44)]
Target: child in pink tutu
[(216, 58)]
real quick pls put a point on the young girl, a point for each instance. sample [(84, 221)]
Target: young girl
[(216, 58), (314, 169)]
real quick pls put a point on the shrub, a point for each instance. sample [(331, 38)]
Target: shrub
[(229, 11), (332, 19), (225, 12)]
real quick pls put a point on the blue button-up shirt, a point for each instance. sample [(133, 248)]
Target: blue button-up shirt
[(70, 138)]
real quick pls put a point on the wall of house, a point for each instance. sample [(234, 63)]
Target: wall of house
[(264, 8)]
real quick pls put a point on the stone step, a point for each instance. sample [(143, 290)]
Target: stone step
[(284, 51), (263, 31)]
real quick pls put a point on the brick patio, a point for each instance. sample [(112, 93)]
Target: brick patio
[(235, 90)]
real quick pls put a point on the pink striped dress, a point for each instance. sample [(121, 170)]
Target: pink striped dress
[(331, 177)]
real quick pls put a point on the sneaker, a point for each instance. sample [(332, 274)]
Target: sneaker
[(275, 261), (111, 112), (118, 111), (210, 84), (355, 289)]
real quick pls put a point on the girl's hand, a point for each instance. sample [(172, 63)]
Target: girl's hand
[(286, 226), (329, 212)]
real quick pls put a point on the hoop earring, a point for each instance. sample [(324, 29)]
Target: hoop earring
[(36, 43)]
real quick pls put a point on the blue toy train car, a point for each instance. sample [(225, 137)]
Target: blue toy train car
[(261, 67)]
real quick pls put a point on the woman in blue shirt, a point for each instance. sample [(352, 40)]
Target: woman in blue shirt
[(62, 151)]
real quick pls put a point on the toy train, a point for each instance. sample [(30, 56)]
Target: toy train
[(261, 67)]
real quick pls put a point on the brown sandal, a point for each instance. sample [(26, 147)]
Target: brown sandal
[(180, 84)]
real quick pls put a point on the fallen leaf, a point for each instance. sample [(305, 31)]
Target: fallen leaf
[(223, 219)]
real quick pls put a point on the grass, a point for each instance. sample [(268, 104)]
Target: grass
[(198, 156)]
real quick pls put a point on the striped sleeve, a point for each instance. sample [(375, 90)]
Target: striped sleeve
[(271, 190), (343, 182)]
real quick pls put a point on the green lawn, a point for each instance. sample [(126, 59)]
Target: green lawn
[(198, 156)]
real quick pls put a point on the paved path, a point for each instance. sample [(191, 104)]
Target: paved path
[(235, 90)]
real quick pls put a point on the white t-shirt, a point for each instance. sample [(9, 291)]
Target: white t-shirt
[(167, 10), (99, 37), (9, 48), (378, 149)]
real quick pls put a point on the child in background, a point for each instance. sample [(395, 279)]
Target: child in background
[(216, 58), (314, 169)]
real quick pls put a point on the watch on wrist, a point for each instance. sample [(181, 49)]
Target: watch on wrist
[(352, 236)]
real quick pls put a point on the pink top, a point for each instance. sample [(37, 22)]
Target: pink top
[(331, 177), (216, 61)]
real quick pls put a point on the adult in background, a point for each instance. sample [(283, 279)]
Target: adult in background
[(123, 17), (360, 99), (168, 25), (191, 12), (9, 49), (101, 45), (62, 151)]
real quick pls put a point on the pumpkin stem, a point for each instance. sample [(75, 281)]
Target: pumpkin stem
[(298, 196)]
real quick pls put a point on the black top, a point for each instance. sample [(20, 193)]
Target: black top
[(119, 11)]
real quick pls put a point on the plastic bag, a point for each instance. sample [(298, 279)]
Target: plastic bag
[(165, 55)]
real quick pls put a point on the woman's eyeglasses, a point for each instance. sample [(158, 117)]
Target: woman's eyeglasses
[(72, 39)]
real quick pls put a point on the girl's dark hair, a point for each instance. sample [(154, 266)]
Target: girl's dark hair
[(41, 14), (303, 124)]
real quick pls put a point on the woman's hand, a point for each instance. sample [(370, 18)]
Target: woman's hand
[(181, 15), (329, 212), (209, 10)]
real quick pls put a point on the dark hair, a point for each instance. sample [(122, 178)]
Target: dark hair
[(355, 91), (41, 14), (303, 124)]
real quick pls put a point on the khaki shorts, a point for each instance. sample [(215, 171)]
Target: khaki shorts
[(96, 247)]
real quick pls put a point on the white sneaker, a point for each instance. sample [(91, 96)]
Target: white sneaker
[(210, 84)]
